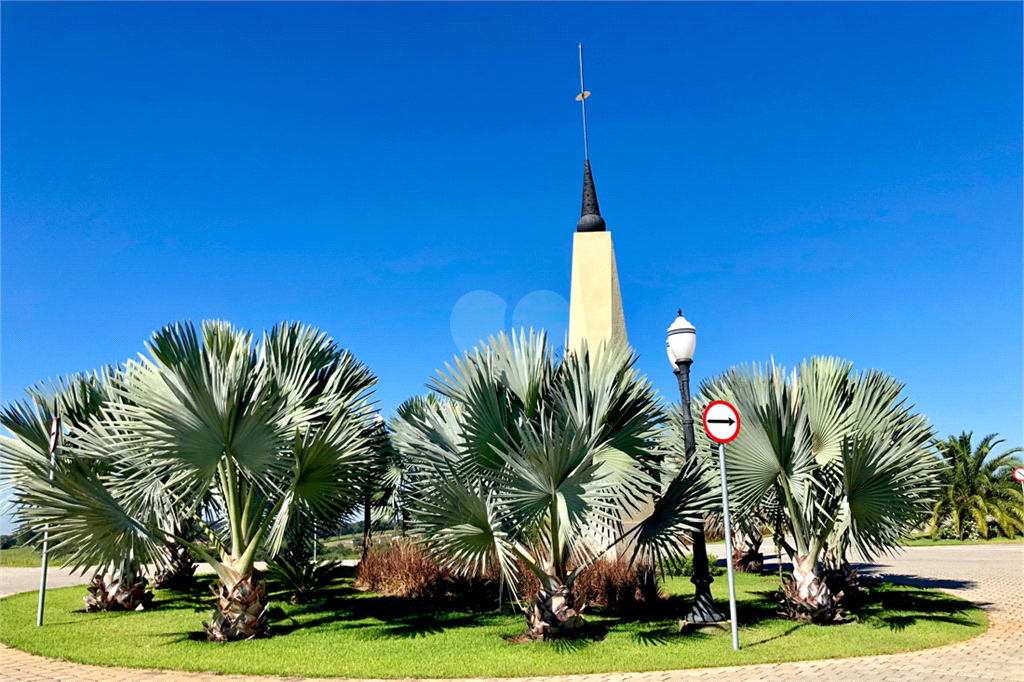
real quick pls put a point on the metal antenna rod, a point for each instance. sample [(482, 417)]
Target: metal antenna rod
[(582, 97)]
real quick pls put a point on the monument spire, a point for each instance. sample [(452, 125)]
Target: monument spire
[(590, 214)]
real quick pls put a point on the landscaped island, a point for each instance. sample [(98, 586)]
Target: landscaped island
[(350, 633), (559, 486)]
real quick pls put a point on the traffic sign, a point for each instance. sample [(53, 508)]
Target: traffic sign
[(54, 428), (721, 422), (1018, 473)]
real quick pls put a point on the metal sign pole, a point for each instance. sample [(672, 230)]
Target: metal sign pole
[(54, 428), (728, 550), (1018, 474)]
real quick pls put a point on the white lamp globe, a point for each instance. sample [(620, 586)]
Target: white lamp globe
[(682, 339)]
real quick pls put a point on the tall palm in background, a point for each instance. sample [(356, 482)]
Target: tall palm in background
[(263, 429), (382, 487), (978, 485), (522, 459), (840, 456)]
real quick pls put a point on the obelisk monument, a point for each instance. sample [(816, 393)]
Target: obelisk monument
[(595, 304)]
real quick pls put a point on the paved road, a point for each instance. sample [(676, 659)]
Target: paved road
[(15, 580), (991, 576)]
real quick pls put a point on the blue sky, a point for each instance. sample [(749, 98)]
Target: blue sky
[(841, 179)]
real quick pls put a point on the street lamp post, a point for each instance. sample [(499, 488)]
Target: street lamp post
[(682, 340)]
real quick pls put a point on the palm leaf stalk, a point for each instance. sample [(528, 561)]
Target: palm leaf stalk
[(524, 461), (846, 460), (259, 430)]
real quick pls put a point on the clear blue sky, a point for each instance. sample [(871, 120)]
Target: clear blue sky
[(801, 179)]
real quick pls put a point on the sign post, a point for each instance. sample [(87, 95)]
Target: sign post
[(722, 424), (1018, 474), (54, 435)]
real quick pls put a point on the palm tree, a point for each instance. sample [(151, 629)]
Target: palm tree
[(977, 485), (79, 400), (522, 459), (392, 500), (381, 487), (842, 457), (264, 429)]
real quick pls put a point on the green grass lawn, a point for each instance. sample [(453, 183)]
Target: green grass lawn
[(925, 541), (21, 557), (349, 633)]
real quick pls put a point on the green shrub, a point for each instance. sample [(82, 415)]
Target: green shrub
[(683, 566), (302, 578)]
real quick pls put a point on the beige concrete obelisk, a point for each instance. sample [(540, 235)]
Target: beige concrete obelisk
[(595, 304)]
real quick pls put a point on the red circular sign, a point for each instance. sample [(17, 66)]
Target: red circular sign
[(1018, 473), (721, 422), (54, 428)]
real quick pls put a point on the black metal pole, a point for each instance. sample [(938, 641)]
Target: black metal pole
[(703, 609)]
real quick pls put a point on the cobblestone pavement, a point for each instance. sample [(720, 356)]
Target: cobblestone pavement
[(991, 576)]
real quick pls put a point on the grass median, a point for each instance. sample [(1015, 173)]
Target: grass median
[(348, 633)]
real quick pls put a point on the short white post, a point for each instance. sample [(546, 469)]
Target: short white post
[(46, 542), (728, 550), (54, 437)]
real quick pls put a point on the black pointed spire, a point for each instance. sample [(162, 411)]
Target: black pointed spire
[(590, 216)]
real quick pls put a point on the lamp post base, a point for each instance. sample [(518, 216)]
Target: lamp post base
[(686, 627), (703, 609)]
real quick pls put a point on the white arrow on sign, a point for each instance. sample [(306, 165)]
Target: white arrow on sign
[(1018, 473), (54, 428), (721, 421)]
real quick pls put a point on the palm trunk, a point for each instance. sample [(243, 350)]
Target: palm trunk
[(241, 609), (240, 591), (748, 558), (367, 536), (179, 572), (842, 579), (806, 597), (553, 614), (552, 611), (123, 589)]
